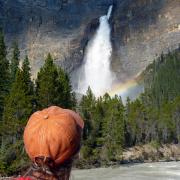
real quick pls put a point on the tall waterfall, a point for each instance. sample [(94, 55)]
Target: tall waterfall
[(95, 72)]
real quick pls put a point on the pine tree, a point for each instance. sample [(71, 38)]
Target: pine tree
[(66, 96), (87, 110), (18, 108), (46, 83), (127, 132), (113, 130), (53, 86), (4, 73), (26, 73), (18, 105), (14, 61), (29, 85), (176, 118), (87, 106), (27, 76)]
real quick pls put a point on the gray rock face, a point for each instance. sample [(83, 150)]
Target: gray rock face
[(141, 30), (56, 26)]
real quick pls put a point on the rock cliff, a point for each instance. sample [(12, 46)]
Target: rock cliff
[(141, 30), (151, 153)]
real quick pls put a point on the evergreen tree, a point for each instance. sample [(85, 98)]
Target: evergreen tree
[(29, 85), (14, 61), (27, 76), (53, 86), (18, 108), (4, 73), (136, 122), (46, 83), (113, 130), (127, 133), (18, 105), (87, 106), (87, 111), (26, 73), (176, 118), (66, 97)]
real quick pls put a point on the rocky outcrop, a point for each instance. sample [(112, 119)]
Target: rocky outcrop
[(141, 30), (151, 153)]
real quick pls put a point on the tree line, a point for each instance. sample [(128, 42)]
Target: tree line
[(110, 125), (20, 97), (154, 117)]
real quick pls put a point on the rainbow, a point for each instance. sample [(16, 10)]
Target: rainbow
[(130, 88), (122, 88)]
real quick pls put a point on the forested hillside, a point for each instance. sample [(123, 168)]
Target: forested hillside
[(162, 79), (110, 126), (152, 118)]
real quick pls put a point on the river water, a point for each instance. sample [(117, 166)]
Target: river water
[(146, 171)]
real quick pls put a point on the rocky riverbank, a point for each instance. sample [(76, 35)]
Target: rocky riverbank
[(152, 152)]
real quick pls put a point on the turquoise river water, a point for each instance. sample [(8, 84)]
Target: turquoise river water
[(146, 171)]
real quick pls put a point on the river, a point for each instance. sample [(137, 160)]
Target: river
[(146, 171)]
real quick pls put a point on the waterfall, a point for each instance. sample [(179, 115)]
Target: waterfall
[(96, 72), (109, 12)]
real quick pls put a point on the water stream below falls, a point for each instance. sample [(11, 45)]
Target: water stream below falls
[(147, 171)]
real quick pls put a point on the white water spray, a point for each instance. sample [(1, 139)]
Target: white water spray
[(96, 68)]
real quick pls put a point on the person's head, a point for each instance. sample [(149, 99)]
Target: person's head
[(52, 138)]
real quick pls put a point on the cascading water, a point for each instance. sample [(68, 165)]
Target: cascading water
[(96, 72)]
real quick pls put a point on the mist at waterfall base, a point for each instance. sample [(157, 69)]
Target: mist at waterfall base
[(131, 88), (95, 72)]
